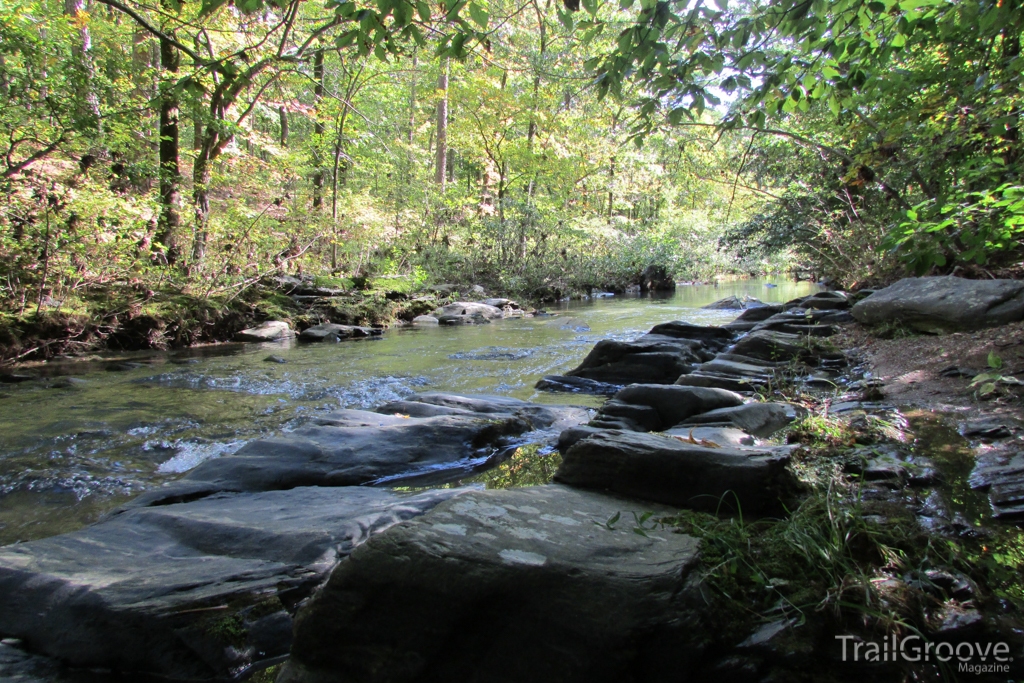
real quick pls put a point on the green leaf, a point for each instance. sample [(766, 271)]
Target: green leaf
[(423, 9), (210, 6), (590, 6), (478, 14), (987, 388), (625, 4), (722, 4), (994, 361)]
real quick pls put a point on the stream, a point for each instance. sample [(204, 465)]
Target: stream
[(69, 453)]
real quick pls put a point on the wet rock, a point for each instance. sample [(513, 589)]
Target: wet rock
[(644, 416), (15, 377), (352, 447), (719, 436), (68, 383), (502, 303), (514, 585), (707, 334), (987, 430), (275, 359), (716, 381), (425, 320), (954, 371), (765, 639), (727, 304), (615, 362), (570, 436), (124, 366), (821, 301), (172, 589), (758, 313), (334, 332), (759, 419), (468, 309), (272, 330), (953, 621), (944, 304), (576, 385), (720, 366), (670, 471), (674, 404)]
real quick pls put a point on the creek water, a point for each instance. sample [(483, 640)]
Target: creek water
[(68, 454)]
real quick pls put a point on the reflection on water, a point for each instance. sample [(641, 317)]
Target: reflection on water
[(69, 454)]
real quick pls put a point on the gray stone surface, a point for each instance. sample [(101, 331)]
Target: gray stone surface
[(759, 419), (676, 403), (944, 304), (575, 385), (272, 330), (188, 591), (469, 308), (451, 435), (516, 585), (616, 362), (333, 332), (425, 320), (668, 470)]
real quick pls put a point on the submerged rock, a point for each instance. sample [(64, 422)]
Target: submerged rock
[(944, 303), (468, 309), (189, 591), (435, 434), (534, 584), (674, 472), (334, 332)]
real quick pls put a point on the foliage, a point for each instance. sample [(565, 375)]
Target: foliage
[(991, 381)]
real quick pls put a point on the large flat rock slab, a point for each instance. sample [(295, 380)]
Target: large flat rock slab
[(515, 585), (426, 435), (944, 304), (189, 591), (675, 472)]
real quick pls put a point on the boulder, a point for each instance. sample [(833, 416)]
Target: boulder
[(352, 447), (707, 334), (759, 419), (425, 320), (616, 362), (727, 304), (333, 332), (530, 584), (272, 330), (675, 472), (773, 346), (716, 381), (657, 279), (759, 313), (468, 308), (674, 404), (189, 591), (644, 416), (944, 304), (456, 319), (576, 385), (719, 436), (502, 303)]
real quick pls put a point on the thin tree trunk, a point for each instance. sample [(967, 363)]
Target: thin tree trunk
[(441, 152), (283, 114), (169, 223), (318, 129), (82, 51)]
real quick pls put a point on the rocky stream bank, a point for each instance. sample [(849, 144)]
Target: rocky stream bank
[(746, 495)]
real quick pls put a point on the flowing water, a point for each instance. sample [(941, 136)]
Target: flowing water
[(69, 454)]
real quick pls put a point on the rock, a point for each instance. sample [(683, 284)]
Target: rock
[(708, 334), (674, 404), (773, 346), (124, 366), (513, 585), (285, 283), (656, 278), (477, 290), (334, 332), (644, 416), (956, 622), (272, 330), (759, 419), (425, 320), (456, 435), (733, 368), (570, 436), (502, 303), (670, 471), (729, 383), (68, 383), (466, 308), (944, 304), (726, 304), (475, 319), (615, 362), (821, 301), (275, 359), (15, 377), (576, 385), (758, 313), (720, 436), (184, 590)]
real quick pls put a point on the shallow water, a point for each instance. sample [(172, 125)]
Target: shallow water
[(69, 454)]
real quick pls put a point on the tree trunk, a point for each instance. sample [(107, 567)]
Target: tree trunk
[(88, 101), (283, 114), (318, 129), (201, 197), (169, 223), (441, 151)]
